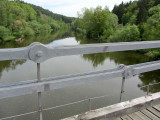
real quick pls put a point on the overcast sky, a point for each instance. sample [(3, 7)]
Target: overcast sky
[(70, 7)]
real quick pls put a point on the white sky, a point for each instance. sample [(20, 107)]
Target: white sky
[(70, 7)]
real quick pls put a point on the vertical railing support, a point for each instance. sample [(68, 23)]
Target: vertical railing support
[(89, 104), (39, 93), (148, 89), (122, 89)]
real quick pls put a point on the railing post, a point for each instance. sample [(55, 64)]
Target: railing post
[(89, 102), (148, 89), (122, 89), (39, 93)]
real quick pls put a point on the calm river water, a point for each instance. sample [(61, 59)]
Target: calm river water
[(21, 70)]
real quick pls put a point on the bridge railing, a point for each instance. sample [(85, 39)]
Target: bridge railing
[(89, 100), (39, 53)]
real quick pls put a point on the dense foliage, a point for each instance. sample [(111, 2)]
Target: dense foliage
[(138, 8), (19, 19), (127, 34), (95, 22), (138, 20)]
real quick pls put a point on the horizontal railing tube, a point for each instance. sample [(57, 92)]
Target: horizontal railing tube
[(38, 52), (72, 80)]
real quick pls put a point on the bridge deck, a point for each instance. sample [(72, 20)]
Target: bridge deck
[(135, 109), (151, 113)]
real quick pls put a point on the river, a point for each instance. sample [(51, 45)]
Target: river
[(22, 70)]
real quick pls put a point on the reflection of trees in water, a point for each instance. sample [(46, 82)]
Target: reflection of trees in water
[(96, 59), (150, 78), (42, 38), (84, 40), (128, 57), (10, 65), (47, 38)]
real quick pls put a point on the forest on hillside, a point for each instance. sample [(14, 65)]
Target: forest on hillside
[(19, 19), (132, 21)]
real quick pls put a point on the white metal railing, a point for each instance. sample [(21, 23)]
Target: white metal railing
[(38, 53)]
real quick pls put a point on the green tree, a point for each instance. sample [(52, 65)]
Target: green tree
[(4, 33), (133, 19), (126, 18), (3, 12), (28, 31), (100, 19), (130, 15), (97, 22), (152, 27), (36, 26), (119, 10), (30, 13), (126, 34), (111, 26)]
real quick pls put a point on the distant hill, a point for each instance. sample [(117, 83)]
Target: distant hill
[(55, 16)]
